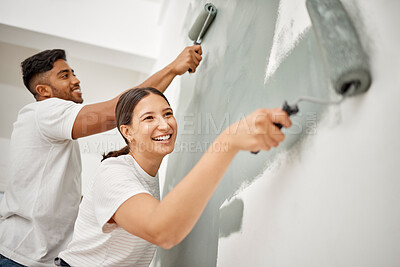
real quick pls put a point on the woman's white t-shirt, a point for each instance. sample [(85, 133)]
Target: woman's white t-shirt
[(95, 241)]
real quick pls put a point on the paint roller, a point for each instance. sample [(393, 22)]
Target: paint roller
[(344, 58), (202, 23)]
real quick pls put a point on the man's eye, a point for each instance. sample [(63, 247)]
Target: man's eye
[(64, 76)]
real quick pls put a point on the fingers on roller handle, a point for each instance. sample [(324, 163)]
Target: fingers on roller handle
[(290, 110), (277, 125), (195, 43)]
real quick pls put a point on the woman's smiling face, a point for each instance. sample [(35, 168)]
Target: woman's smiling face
[(153, 126)]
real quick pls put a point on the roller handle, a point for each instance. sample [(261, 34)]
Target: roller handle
[(290, 110), (195, 43)]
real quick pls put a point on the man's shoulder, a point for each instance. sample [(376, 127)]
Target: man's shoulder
[(47, 103), (56, 101), (55, 107), (52, 117)]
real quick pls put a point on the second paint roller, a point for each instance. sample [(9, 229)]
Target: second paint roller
[(344, 58)]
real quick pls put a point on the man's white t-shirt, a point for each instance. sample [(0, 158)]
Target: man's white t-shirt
[(95, 241), (43, 191)]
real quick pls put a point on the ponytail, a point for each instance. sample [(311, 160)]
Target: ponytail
[(122, 151)]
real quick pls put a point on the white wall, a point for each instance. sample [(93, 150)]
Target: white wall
[(334, 200)]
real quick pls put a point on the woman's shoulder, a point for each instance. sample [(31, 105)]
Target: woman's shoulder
[(120, 164), (124, 165)]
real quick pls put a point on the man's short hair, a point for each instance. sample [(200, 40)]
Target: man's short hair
[(39, 63)]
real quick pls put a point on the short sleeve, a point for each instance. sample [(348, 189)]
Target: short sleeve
[(112, 186), (56, 117)]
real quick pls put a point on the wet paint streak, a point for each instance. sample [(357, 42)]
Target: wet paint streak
[(292, 23), (230, 217)]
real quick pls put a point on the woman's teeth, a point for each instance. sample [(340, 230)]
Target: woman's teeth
[(162, 138)]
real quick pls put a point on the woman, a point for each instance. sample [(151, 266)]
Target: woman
[(121, 220)]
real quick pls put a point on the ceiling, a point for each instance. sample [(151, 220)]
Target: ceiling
[(124, 33)]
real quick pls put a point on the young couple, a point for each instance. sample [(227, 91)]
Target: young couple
[(121, 219)]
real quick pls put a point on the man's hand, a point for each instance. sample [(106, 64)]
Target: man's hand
[(189, 58)]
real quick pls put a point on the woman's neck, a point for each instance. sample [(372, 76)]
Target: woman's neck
[(149, 163)]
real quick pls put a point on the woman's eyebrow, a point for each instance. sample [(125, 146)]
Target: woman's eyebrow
[(152, 112), (146, 113)]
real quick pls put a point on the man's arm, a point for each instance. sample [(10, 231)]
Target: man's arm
[(100, 117)]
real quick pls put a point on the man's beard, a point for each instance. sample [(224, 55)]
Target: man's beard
[(65, 96)]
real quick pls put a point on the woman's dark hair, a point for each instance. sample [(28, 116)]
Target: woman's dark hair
[(124, 110), (39, 63)]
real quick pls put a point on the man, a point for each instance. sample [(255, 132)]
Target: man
[(40, 205)]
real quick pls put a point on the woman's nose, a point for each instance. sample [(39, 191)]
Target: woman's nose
[(163, 124)]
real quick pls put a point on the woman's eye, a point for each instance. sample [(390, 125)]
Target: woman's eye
[(168, 114), (148, 118)]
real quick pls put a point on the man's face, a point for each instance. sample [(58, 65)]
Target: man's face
[(63, 82)]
